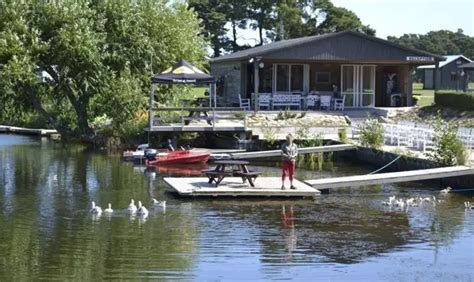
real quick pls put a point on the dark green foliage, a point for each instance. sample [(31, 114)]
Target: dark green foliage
[(274, 19), (461, 101), (96, 58), (441, 42)]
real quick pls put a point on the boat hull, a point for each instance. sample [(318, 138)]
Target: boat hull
[(181, 157)]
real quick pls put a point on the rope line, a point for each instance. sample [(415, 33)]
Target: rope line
[(394, 160)]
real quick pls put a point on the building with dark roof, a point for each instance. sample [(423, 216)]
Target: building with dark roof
[(467, 76), (448, 76), (366, 70)]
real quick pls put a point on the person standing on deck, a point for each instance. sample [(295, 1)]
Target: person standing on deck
[(289, 152)]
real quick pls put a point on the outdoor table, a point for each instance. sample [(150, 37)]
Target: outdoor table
[(237, 168)]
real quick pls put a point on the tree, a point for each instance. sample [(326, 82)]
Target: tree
[(442, 42), (214, 15), (74, 61)]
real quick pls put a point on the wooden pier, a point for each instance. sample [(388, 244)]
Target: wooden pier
[(391, 177), (233, 187), (29, 131), (307, 150)]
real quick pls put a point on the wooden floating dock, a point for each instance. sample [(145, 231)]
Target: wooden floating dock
[(233, 187), (307, 150), (391, 177), (22, 130)]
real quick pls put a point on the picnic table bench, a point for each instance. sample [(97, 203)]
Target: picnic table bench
[(238, 168)]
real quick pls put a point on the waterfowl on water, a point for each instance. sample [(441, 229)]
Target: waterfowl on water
[(158, 204), (390, 201), (109, 209), (446, 190), (95, 209), (142, 211), (468, 205), (131, 207)]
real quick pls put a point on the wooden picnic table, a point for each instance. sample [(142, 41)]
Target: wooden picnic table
[(198, 114), (226, 168)]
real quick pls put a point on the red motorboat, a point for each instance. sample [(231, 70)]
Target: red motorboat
[(177, 157)]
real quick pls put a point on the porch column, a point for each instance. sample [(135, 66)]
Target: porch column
[(409, 90), (255, 84), (150, 109)]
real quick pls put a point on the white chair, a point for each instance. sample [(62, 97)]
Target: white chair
[(339, 103), (264, 101), (312, 101), (325, 102), (244, 103)]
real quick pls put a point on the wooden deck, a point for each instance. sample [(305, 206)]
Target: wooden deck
[(233, 187), (231, 127), (307, 150), (391, 177)]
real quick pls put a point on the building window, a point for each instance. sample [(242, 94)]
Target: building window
[(289, 78), (454, 76), (323, 77)]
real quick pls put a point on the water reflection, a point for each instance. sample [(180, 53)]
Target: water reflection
[(46, 231)]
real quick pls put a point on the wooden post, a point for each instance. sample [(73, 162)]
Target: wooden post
[(435, 77), (255, 84), (409, 89), (150, 110)]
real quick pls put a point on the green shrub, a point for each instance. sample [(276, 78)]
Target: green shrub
[(286, 114), (462, 101), (449, 149), (342, 133), (371, 133)]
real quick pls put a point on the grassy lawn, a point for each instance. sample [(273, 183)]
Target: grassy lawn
[(426, 95)]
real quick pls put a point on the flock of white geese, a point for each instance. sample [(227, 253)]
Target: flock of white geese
[(138, 210), (403, 203)]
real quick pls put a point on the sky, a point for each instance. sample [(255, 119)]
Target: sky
[(396, 17)]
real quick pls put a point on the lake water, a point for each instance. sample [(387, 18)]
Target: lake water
[(47, 233)]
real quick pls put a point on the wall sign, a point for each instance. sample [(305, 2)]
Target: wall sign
[(420, 59)]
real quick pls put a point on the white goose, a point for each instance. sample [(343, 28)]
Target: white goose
[(109, 209), (131, 207), (447, 190), (95, 209), (158, 204), (142, 211), (390, 201)]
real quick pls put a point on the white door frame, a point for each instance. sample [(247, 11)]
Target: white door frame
[(357, 85)]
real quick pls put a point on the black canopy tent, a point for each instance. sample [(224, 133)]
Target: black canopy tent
[(182, 73), (185, 73)]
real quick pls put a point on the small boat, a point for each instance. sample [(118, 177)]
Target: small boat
[(176, 157), (135, 156), (180, 169)]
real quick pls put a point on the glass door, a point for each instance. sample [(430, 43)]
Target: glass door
[(367, 86), (358, 85), (348, 84)]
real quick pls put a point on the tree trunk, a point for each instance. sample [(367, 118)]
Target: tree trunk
[(216, 46), (234, 34), (38, 106), (260, 32)]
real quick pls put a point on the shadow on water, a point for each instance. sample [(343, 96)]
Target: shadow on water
[(47, 232)]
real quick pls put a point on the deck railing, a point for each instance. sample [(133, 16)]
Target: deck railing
[(184, 116)]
